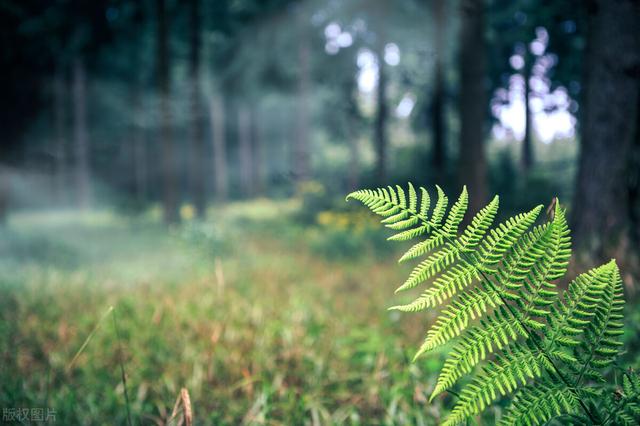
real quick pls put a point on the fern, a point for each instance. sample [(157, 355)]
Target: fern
[(495, 286)]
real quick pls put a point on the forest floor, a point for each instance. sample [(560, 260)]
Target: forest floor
[(263, 319)]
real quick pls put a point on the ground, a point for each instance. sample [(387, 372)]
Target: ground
[(261, 319)]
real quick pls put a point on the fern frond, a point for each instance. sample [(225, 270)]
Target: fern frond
[(422, 247), (550, 259), (455, 318), (456, 214), (445, 286), (504, 237), (601, 342), (476, 344), (429, 267), (537, 404), (391, 204), (504, 277), (510, 370), (570, 317), (440, 208)]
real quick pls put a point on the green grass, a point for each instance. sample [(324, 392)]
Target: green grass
[(295, 334)]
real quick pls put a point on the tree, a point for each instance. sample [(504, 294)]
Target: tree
[(473, 99), (527, 148), (602, 197), (257, 151), (245, 150), (301, 168), (80, 135), (169, 199), (197, 177), (138, 140), (380, 123), (60, 131), (218, 142), (437, 107)]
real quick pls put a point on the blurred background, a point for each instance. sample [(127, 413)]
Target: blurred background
[(186, 161)]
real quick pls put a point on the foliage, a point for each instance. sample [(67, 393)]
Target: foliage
[(552, 353)]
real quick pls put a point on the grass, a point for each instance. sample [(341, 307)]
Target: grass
[(251, 313)]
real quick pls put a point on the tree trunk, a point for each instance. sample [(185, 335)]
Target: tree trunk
[(197, 178), (169, 166), (380, 125), (258, 152), (4, 193), (60, 135), (473, 103), (80, 135), (218, 132), (244, 140), (601, 204), (527, 148), (138, 145), (437, 110), (350, 119), (634, 183), (301, 168)]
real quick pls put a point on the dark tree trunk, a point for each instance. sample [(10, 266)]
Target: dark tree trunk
[(246, 156), (197, 177), (138, 130), (437, 109), (138, 146), (60, 133), (634, 183), (380, 124), (473, 102), (169, 166), (354, 148), (601, 204), (218, 140), (301, 158), (527, 147), (351, 118), (4, 194), (80, 135)]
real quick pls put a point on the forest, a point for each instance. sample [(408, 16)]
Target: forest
[(176, 245)]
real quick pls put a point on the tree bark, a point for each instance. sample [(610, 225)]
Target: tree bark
[(634, 183), (602, 200), (527, 147), (246, 160), (437, 109), (218, 140), (350, 120), (257, 151), (197, 178), (138, 146), (301, 158), (80, 135), (169, 166), (380, 124), (473, 101), (4, 193), (60, 135)]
